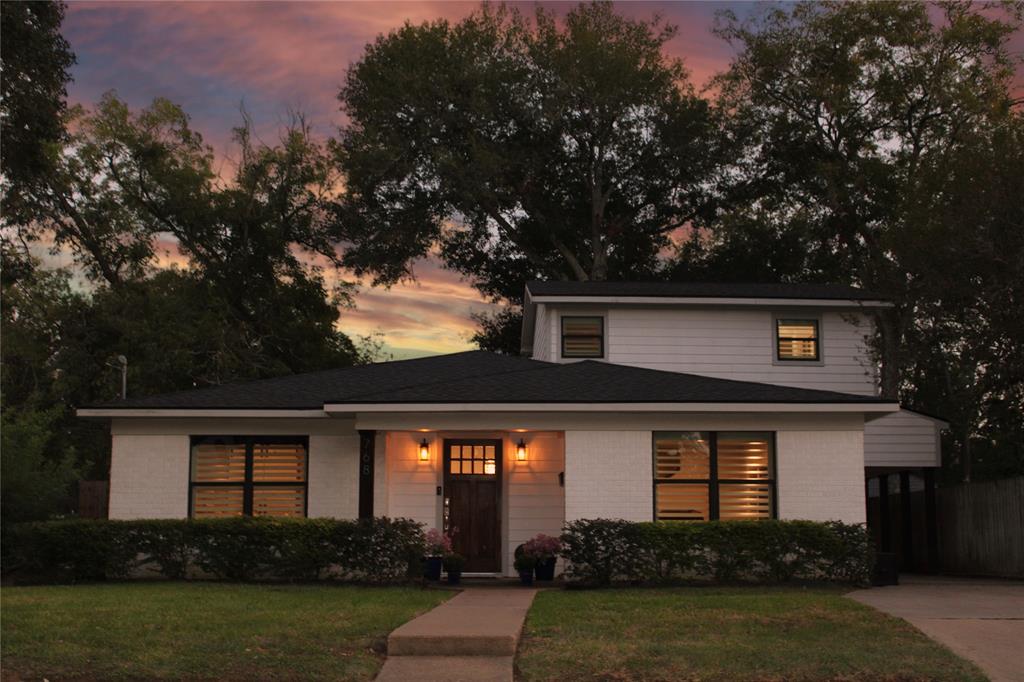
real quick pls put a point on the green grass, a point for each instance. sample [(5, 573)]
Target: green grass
[(202, 630), (725, 634)]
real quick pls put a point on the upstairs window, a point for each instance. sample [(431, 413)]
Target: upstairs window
[(248, 476), (797, 340), (700, 476), (583, 337)]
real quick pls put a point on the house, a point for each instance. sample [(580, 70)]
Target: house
[(631, 400)]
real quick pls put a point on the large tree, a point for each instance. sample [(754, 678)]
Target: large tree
[(34, 63), (867, 129), (840, 108), (567, 148), (245, 294)]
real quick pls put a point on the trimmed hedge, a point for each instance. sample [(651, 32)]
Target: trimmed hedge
[(600, 552), (377, 550)]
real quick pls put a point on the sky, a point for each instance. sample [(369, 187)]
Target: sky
[(273, 58)]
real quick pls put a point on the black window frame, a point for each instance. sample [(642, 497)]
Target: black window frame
[(713, 482), (779, 321), (600, 337), (248, 485)]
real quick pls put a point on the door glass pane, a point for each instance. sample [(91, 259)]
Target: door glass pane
[(478, 452), (744, 501), (489, 467), (217, 501), (744, 456), (454, 466), (682, 502), (682, 456)]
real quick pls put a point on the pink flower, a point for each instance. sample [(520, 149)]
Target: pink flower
[(542, 547), (438, 543)]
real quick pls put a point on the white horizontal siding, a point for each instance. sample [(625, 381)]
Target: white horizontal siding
[(902, 439), (740, 344), (542, 334), (535, 500)]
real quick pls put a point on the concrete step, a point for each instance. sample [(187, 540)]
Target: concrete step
[(447, 669), (476, 622)]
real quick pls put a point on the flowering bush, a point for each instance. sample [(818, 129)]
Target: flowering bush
[(542, 547), (438, 543)]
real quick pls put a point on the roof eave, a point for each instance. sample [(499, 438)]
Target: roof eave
[(821, 406), (718, 301)]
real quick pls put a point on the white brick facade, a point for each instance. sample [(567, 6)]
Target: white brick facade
[(149, 476), (821, 475), (149, 466), (333, 482), (608, 474)]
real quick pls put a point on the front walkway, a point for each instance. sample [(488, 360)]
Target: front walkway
[(981, 620), (471, 637)]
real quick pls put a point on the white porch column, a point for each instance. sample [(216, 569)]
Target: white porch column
[(609, 475)]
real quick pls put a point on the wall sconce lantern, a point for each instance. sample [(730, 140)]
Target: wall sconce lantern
[(520, 451), (424, 450)]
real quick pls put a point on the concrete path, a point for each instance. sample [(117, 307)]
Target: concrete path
[(981, 620), (471, 637)]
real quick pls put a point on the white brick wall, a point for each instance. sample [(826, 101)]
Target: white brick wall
[(333, 477), (821, 475), (150, 458), (608, 475), (149, 477)]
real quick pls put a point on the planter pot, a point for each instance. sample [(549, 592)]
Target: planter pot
[(432, 568), (454, 577), (546, 569), (526, 577)]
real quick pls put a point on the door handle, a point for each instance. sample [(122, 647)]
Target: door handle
[(446, 513)]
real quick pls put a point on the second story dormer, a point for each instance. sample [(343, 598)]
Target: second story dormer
[(804, 335)]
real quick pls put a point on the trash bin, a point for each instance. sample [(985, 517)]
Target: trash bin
[(887, 570)]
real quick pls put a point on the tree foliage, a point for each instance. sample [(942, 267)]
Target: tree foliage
[(34, 69), (196, 279), (543, 148), (865, 131)]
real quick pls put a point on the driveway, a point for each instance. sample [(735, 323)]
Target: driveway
[(981, 620)]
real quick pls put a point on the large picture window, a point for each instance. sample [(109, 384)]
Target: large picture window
[(705, 475), (248, 476)]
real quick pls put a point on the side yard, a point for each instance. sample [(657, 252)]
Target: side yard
[(725, 634), (181, 630)]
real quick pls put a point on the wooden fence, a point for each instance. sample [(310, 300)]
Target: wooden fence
[(981, 528), (92, 499)]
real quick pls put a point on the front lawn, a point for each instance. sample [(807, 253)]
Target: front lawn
[(202, 630), (725, 634)]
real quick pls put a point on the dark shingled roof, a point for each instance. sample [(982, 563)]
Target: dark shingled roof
[(482, 377), (833, 292)]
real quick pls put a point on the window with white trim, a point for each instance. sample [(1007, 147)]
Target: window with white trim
[(706, 475), (582, 336), (797, 340)]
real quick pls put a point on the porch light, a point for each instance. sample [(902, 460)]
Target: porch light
[(521, 451), (424, 450)]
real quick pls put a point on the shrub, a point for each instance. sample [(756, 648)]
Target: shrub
[(73, 549), (602, 551), (372, 550)]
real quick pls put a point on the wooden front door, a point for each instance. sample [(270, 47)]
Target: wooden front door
[(472, 501)]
